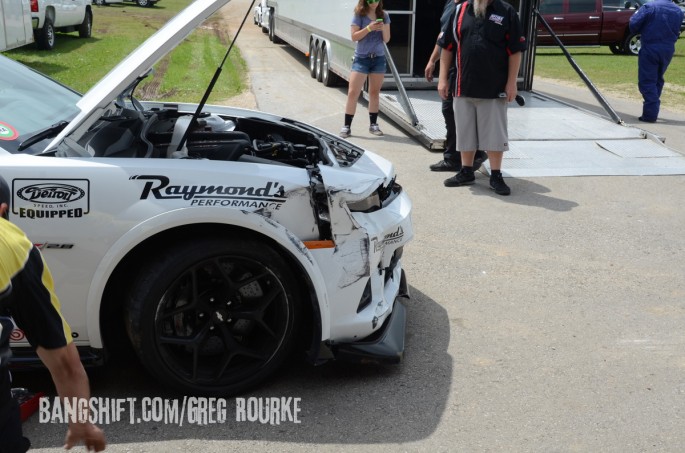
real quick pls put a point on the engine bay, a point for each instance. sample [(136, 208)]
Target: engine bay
[(168, 133)]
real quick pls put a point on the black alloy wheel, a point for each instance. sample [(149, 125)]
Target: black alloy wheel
[(214, 316)]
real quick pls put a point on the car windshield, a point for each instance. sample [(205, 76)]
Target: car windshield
[(29, 103)]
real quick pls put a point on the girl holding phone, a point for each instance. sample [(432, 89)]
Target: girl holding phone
[(370, 28)]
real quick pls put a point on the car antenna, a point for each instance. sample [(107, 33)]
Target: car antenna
[(217, 73)]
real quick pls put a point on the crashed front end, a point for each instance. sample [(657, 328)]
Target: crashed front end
[(367, 217)]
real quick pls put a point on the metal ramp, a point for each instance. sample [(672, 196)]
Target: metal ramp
[(550, 138)]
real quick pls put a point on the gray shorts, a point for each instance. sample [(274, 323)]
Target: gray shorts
[(481, 124)]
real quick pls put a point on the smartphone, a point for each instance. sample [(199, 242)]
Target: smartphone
[(379, 20)]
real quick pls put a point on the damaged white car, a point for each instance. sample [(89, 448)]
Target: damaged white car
[(216, 240)]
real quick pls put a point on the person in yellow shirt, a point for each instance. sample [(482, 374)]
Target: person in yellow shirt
[(27, 295)]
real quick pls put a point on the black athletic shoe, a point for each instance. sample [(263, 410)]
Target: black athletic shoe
[(445, 165), (481, 156), (498, 185), (647, 120), (463, 178)]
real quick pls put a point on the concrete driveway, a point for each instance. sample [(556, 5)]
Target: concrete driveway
[(550, 320)]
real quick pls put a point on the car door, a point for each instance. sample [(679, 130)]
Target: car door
[(575, 22)]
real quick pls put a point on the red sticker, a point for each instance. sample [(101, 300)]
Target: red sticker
[(17, 335), (7, 132)]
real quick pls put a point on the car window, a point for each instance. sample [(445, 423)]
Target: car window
[(582, 6), (551, 6), (30, 102)]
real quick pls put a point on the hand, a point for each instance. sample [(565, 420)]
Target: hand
[(93, 437), (430, 68), (443, 89), (511, 91), (376, 26)]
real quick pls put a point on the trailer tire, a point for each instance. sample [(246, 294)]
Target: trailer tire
[(320, 50), (272, 30), (312, 58), (328, 77)]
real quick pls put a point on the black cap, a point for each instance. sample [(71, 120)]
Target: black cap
[(4, 193)]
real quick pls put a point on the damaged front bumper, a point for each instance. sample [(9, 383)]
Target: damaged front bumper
[(386, 345)]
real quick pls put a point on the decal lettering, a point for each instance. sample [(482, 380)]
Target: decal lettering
[(49, 214), (159, 187), (51, 199)]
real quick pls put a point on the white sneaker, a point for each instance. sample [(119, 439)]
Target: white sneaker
[(375, 130), (345, 132)]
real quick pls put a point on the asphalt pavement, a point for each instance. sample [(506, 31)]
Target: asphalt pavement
[(547, 321)]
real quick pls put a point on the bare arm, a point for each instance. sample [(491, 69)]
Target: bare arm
[(514, 65), (386, 33), (430, 67), (446, 58), (71, 381), (357, 34)]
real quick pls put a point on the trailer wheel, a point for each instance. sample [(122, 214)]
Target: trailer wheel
[(272, 30), (328, 77), (312, 59), (319, 57)]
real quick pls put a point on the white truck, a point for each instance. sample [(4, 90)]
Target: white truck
[(15, 24), (50, 16)]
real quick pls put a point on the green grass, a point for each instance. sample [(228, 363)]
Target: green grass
[(117, 30), (612, 74)]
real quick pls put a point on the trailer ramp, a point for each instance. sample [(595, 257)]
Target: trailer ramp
[(548, 137)]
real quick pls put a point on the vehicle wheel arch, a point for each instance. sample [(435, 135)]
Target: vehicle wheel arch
[(112, 334)]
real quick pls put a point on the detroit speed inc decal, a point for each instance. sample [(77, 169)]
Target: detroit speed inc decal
[(51, 198)]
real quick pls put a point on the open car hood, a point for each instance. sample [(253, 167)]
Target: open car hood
[(98, 99)]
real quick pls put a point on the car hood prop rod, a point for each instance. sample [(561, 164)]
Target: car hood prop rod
[(217, 73)]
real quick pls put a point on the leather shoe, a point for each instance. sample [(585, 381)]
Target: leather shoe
[(645, 120), (444, 165)]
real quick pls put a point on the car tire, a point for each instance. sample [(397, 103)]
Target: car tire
[(214, 316), (100, 2), (631, 45), (616, 49), (313, 53), (328, 77), (45, 37), (85, 30), (144, 3)]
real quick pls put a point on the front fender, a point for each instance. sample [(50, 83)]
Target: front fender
[(195, 216)]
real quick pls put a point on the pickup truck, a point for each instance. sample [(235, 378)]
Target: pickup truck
[(589, 23), (15, 24), (49, 16)]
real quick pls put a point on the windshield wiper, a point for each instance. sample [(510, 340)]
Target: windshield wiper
[(49, 132)]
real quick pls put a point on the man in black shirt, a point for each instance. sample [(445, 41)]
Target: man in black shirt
[(451, 159), (485, 42)]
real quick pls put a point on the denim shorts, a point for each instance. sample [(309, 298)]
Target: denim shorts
[(369, 65)]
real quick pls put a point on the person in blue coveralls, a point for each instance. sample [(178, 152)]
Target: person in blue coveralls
[(658, 22)]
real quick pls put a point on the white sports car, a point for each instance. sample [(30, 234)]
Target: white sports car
[(216, 240)]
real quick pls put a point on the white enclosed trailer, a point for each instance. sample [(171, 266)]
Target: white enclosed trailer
[(15, 24), (547, 137)]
